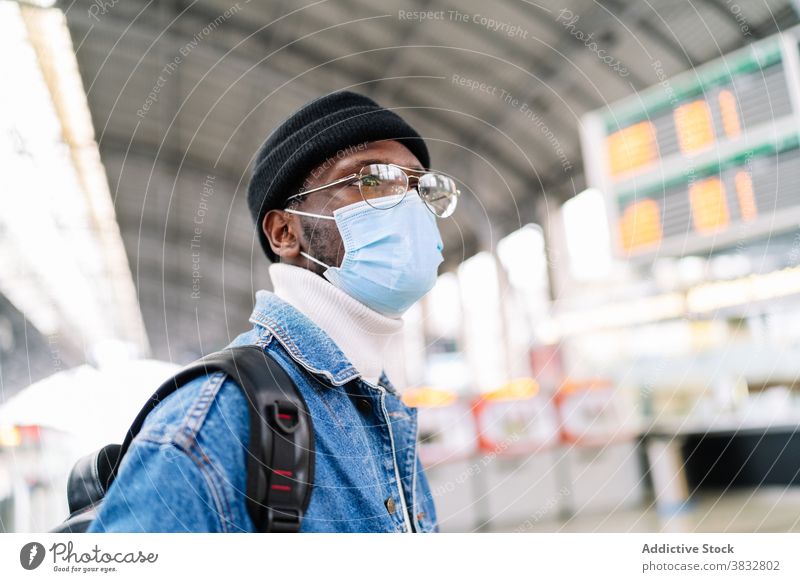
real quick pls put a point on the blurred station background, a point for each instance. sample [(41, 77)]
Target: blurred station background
[(614, 340)]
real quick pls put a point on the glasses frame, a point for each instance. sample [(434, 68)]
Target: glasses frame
[(417, 174)]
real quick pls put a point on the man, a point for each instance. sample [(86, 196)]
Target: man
[(345, 208)]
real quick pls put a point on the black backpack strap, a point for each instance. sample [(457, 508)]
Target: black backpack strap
[(280, 457)]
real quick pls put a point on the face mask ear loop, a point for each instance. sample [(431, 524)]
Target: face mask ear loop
[(310, 258), (301, 213)]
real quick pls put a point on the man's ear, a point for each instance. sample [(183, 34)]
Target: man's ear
[(283, 233)]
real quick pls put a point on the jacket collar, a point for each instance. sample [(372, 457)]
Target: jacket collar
[(304, 341)]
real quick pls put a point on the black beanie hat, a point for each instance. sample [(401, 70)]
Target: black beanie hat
[(314, 134)]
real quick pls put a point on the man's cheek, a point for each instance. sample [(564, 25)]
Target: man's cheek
[(335, 246), (325, 243)]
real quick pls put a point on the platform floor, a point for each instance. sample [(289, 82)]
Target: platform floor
[(753, 510)]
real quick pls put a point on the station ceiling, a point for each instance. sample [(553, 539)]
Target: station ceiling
[(183, 93)]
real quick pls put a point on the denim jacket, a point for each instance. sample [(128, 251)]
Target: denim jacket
[(185, 471)]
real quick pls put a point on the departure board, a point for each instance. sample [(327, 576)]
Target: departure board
[(703, 160)]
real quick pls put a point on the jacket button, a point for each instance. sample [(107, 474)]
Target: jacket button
[(364, 406), (390, 507)]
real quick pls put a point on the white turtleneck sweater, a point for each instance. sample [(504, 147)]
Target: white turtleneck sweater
[(370, 340)]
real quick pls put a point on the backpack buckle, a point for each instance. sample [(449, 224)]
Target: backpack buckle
[(285, 415), (282, 520)]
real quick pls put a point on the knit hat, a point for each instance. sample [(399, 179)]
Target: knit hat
[(313, 134)]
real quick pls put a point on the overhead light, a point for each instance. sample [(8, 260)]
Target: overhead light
[(63, 262), (721, 294), (587, 235), (39, 3)]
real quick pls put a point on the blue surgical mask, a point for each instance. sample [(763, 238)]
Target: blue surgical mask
[(391, 254)]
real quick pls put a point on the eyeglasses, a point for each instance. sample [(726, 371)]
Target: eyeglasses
[(385, 185)]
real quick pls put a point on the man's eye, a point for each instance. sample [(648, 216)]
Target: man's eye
[(370, 181)]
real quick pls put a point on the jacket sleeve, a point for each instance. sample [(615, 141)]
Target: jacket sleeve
[(136, 503)]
